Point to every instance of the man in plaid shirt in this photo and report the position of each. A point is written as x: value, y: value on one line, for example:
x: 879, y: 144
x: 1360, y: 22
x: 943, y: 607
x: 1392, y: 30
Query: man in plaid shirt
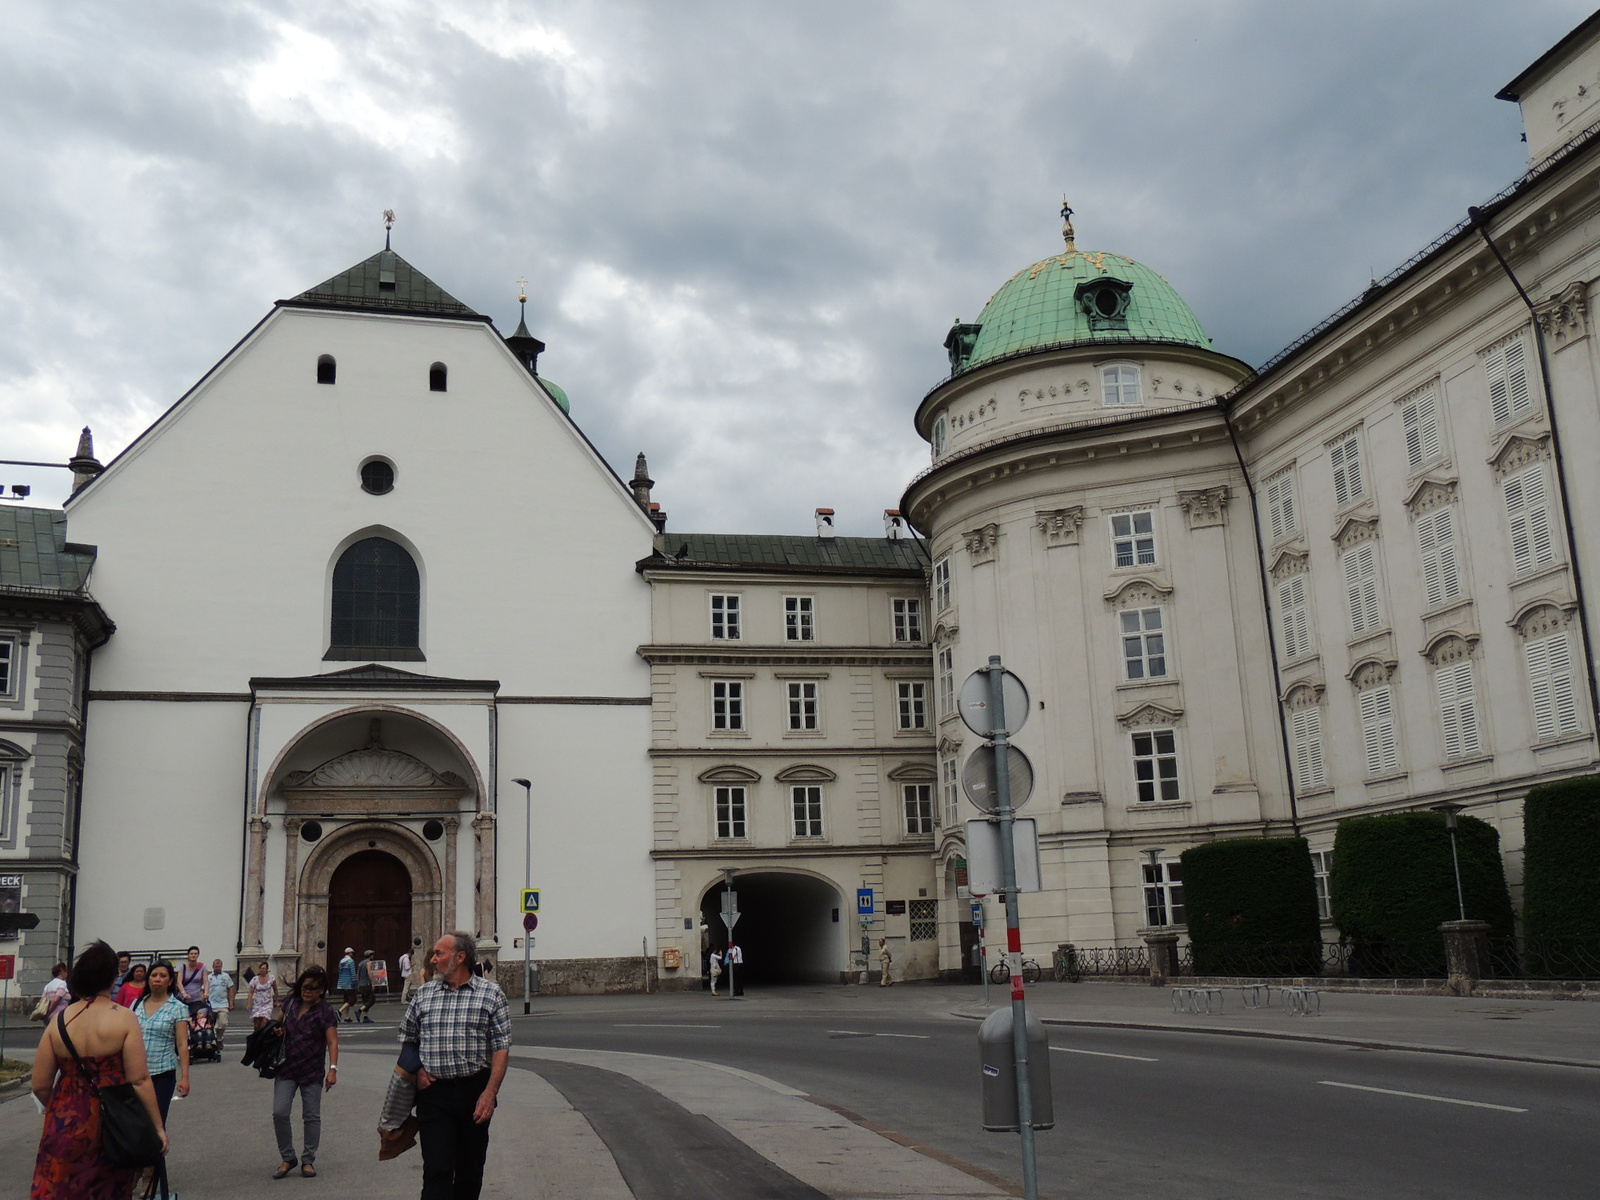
x: 461, y: 1026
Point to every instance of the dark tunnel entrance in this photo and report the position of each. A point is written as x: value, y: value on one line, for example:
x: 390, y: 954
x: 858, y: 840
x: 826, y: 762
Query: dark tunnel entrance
x: 791, y: 928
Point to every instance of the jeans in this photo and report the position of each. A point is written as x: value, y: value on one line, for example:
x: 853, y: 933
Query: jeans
x: 165, y: 1084
x: 283, y: 1091
x: 453, y: 1144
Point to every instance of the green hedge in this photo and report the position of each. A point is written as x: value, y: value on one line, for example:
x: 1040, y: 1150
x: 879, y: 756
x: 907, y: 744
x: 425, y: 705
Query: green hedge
x: 1252, y: 907
x: 1561, y: 872
x: 1392, y: 886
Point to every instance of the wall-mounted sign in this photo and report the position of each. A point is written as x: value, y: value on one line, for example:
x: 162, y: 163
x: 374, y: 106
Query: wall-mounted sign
x: 895, y: 908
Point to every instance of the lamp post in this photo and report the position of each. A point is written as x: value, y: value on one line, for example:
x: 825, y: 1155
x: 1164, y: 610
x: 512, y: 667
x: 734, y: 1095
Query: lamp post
x: 1153, y: 854
x: 1450, y: 812
x: 527, y: 882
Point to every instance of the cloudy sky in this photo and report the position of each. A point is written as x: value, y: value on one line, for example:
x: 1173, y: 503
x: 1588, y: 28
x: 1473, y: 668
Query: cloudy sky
x: 746, y: 226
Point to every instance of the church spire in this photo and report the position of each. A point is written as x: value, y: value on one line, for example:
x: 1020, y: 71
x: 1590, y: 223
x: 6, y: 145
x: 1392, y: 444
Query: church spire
x: 85, y: 466
x: 523, y: 344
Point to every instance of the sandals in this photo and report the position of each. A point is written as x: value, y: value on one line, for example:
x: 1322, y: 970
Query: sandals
x: 283, y: 1170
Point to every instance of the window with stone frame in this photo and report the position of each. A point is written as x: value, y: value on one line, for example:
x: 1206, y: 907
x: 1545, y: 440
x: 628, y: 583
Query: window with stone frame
x: 1144, y: 643
x: 1294, y: 617
x: 376, y: 603
x: 950, y: 790
x: 1532, y: 525
x: 941, y: 584
x: 1163, y: 894
x: 1506, y: 368
x: 1458, y: 705
x: 1155, y: 766
x: 727, y: 705
x: 9, y: 657
x: 911, y: 705
x: 1552, y: 683
x: 1344, y: 456
x: 1441, y: 561
x: 1305, y: 735
x: 1379, y: 736
x: 1360, y: 565
x: 907, y: 612
x: 1283, y: 514
x: 805, y: 714
x: 12, y: 758
x: 945, y: 664
x: 731, y: 804
x: 1321, y: 869
x: 725, y: 609
x: 799, y: 618
x: 1120, y: 387
x: 924, y: 916
x: 1133, y: 538
x: 805, y: 806
x: 917, y: 799
x: 1419, y: 417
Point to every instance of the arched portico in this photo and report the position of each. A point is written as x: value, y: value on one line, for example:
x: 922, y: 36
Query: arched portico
x: 792, y: 927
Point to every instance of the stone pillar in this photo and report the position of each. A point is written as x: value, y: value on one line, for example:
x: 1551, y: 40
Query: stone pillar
x: 291, y: 885
x: 255, y: 887
x: 485, y: 881
x: 1466, y: 954
x: 452, y: 828
x: 1163, y: 955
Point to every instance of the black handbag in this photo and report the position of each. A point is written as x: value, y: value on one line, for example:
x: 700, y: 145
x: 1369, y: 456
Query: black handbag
x: 128, y: 1137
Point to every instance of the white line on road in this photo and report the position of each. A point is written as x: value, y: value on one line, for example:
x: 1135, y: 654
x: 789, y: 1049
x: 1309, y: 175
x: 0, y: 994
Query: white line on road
x: 1105, y: 1054
x: 1420, y: 1096
x: 647, y: 1025
x: 921, y: 1037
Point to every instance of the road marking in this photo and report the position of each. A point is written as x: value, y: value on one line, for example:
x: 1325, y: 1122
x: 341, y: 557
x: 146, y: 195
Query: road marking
x: 1420, y: 1096
x: 1105, y: 1054
x: 921, y: 1037
x: 647, y: 1025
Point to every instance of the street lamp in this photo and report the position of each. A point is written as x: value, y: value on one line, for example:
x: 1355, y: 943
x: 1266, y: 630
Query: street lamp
x: 1450, y: 812
x: 1154, y: 853
x: 527, y: 882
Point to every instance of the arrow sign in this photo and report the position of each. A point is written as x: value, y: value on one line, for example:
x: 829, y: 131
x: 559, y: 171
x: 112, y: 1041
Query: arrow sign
x: 11, y: 922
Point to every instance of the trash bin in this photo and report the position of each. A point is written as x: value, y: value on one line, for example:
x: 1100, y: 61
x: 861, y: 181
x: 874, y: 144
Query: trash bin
x: 1000, y: 1074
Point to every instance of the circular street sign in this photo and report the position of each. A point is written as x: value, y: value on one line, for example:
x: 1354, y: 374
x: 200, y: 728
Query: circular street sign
x: 978, y: 778
x: 976, y: 710
x: 530, y: 921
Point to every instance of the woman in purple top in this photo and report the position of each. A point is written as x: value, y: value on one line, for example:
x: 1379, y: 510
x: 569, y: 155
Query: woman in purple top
x: 310, y: 1028
x: 193, y: 979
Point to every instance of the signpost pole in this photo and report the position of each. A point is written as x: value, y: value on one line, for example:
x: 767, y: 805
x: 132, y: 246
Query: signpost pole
x: 1008, y: 859
x: 5, y: 1004
x: 527, y: 882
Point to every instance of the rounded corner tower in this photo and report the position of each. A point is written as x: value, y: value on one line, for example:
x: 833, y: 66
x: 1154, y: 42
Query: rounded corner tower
x: 1088, y: 521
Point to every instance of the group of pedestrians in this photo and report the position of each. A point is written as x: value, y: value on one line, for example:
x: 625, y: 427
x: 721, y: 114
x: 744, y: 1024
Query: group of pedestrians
x: 455, y: 1040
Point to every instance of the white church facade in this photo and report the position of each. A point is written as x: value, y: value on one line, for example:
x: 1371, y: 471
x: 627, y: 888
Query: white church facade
x: 273, y: 685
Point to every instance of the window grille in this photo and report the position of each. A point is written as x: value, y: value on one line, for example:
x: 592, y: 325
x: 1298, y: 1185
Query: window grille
x: 924, y: 920
x: 1133, y: 538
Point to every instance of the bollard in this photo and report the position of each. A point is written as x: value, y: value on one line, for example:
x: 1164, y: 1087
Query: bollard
x: 1000, y: 1073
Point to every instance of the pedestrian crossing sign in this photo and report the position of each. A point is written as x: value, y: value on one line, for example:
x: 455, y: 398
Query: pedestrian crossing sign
x: 530, y: 900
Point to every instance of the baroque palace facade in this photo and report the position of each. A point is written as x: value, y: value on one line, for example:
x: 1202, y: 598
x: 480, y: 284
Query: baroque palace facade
x: 304, y: 629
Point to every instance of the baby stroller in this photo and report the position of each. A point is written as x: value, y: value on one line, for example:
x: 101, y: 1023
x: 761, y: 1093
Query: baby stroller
x: 204, y: 1044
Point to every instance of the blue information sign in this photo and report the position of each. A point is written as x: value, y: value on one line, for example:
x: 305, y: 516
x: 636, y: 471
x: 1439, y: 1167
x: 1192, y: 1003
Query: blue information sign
x: 864, y: 900
x: 977, y: 915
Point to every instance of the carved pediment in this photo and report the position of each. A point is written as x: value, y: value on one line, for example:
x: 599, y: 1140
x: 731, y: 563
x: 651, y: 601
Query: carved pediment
x: 1450, y: 646
x: 1371, y: 673
x: 1430, y: 491
x: 949, y: 745
x: 1354, y: 530
x: 1139, y: 589
x: 1290, y: 561
x: 729, y: 773
x: 1150, y: 713
x: 1205, y: 506
x: 1542, y: 617
x: 945, y: 629
x: 1060, y: 525
x: 1518, y: 450
x: 372, y: 769
x: 1303, y: 694
x: 805, y: 773
x: 913, y: 773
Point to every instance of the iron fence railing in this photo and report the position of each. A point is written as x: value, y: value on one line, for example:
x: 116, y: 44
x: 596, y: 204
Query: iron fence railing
x: 1102, y: 961
x: 1544, y: 958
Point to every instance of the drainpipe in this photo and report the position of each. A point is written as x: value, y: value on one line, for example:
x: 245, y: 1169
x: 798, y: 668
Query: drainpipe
x: 1481, y: 224
x: 1272, y: 635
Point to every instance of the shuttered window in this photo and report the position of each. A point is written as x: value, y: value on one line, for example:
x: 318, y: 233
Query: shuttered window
x: 1507, y: 369
x: 1345, y: 456
x: 1281, y: 505
x: 1555, y: 704
x: 1295, y: 613
x: 1361, y: 586
x: 1378, y: 732
x: 1420, y: 415
x: 1441, y: 571
x: 1458, y: 709
x: 1533, y: 542
x: 1305, y: 726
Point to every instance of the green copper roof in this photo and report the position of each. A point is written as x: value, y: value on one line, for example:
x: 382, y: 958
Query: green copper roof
x: 383, y: 283
x: 1048, y: 305
x: 35, y: 553
x: 557, y: 394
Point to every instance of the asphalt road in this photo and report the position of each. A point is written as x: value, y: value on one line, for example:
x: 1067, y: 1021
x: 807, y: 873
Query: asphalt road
x: 1169, y: 1115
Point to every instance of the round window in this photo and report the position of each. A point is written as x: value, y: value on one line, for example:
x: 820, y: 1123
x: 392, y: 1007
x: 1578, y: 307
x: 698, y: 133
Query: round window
x: 1108, y: 302
x: 311, y: 831
x: 433, y: 831
x: 377, y: 476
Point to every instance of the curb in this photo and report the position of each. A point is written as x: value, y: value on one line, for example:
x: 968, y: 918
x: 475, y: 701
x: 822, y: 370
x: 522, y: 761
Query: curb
x: 1321, y: 1039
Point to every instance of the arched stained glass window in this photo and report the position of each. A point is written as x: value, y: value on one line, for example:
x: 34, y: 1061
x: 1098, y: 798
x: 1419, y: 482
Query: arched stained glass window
x: 377, y: 603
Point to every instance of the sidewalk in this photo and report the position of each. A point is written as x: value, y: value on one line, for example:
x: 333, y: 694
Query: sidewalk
x: 1555, y: 1031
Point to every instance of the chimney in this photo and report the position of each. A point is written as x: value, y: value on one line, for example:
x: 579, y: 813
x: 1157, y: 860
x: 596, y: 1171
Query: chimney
x: 658, y: 517
x: 84, y: 464
x: 894, y: 525
x: 642, y: 483
x: 825, y: 523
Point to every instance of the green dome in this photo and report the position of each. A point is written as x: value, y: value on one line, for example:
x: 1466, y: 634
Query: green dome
x: 1076, y: 298
x: 556, y: 394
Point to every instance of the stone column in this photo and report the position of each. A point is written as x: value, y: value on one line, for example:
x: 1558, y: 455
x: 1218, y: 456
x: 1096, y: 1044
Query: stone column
x: 255, y: 887
x: 291, y: 885
x: 485, y: 881
x: 447, y: 910
x: 1466, y: 954
x: 1163, y: 955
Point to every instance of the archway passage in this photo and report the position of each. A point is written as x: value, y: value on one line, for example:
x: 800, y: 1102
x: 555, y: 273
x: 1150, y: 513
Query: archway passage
x: 792, y: 928
x: 369, y: 908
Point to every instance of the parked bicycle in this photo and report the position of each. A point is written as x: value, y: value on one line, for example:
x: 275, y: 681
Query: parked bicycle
x: 1001, y: 971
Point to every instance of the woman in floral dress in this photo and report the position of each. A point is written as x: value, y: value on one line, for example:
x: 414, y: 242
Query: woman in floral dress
x: 70, y: 1164
x: 263, y: 996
